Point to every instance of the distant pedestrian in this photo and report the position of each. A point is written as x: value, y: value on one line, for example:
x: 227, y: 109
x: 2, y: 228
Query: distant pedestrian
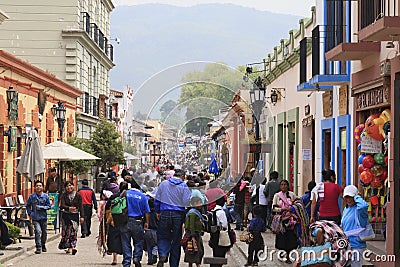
x: 194, y: 227
x: 52, y: 181
x: 72, y: 214
x: 172, y: 196
x: 240, y: 191
x: 258, y: 198
x: 270, y: 189
x: 36, y: 206
x: 138, y: 212
x: 256, y: 227
x: 89, y: 202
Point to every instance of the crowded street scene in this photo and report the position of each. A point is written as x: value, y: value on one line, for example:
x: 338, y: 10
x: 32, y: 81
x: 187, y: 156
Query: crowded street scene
x: 200, y: 133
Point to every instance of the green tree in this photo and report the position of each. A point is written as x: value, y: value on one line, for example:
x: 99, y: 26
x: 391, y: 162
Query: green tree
x: 166, y: 108
x: 106, y: 145
x: 79, y: 166
x: 205, y: 92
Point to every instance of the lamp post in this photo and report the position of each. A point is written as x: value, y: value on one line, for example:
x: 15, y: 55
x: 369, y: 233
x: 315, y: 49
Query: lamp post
x: 257, y: 98
x: 12, y: 101
x: 59, y: 113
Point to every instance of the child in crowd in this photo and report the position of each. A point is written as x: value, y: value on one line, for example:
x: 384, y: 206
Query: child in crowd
x: 150, y: 234
x: 257, y: 225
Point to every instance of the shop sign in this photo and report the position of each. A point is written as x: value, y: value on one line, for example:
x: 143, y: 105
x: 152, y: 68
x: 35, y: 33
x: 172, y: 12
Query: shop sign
x: 307, y: 154
x: 307, y: 122
x: 373, y: 98
x: 370, y: 145
x: 52, y: 213
x: 343, y: 95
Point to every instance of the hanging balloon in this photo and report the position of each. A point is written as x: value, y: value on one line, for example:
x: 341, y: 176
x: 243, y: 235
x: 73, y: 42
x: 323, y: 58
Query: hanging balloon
x: 379, y: 158
x: 360, y: 158
x: 376, y: 182
x: 361, y: 168
x: 384, y: 175
x: 357, y: 133
x: 386, y: 160
x: 366, y: 177
x: 377, y: 170
x: 368, y: 161
x: 359, y: 147
x: 363, y: 134
x: 372, y: 129
x: 386, y: 128
x: 384, y: 117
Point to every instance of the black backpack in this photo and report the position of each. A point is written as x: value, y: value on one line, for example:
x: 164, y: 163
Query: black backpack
x: 210, y: 221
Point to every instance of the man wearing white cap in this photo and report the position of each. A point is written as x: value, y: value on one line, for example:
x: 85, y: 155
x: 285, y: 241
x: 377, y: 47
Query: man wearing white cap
x: 354, y: 220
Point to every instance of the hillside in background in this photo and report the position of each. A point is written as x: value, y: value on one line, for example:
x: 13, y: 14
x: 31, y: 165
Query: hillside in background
x: 154, y: 37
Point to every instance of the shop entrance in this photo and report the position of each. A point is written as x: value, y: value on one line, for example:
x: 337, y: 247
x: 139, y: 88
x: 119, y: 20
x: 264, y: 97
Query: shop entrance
x: 327, y: 149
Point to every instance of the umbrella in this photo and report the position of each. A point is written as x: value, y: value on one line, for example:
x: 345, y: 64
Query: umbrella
x: 64, y: 152
x: 129, y: 156
x: 32, y: 162
x: 213, y: 168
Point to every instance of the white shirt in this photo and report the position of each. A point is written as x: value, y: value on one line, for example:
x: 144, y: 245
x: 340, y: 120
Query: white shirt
x: 221, y: 217
x: 262, y: 200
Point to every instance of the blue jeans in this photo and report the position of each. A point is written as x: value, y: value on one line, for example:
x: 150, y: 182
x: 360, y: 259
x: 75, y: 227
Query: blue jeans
x: 239, y: 209
x: 132, y: 230
x: 150, y: 235
x: 40, y: 233
x: 169, y: 235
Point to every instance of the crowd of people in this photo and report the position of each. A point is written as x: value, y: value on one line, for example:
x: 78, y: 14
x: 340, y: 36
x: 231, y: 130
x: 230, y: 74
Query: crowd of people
x: 162, y: 209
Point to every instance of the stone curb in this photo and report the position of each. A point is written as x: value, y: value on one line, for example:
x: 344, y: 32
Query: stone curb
x: 24, y: 249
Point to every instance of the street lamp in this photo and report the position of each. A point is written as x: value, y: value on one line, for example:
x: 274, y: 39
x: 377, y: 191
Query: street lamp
x: 59, y: 113
x: 257, y: 98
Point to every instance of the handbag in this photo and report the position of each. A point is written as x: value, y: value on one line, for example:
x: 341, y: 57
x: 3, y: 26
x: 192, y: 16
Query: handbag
x: 246, y: 237
x: 224, y: 239
x: 316, y: 256
x: 365, y: 234
x: 185, y: 239
x: 191, y: 246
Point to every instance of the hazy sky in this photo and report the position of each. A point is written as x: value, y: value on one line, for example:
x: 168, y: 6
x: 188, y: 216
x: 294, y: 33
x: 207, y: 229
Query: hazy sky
x: 294, y: 7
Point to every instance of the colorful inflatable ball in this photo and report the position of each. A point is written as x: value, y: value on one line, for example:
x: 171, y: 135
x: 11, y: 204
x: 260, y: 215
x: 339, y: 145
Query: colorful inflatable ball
x: 361, y: 168
x: 386, y: 160
x: 377, y: 170
x: 376, y: 182
x: 384, y: 175
x: 360, y: 158
x: 368, y: 161
x: 366, y: 177
x: 372, y: 129
x: 379, y: 158
x: 382, y: 120
x: 357, y: 133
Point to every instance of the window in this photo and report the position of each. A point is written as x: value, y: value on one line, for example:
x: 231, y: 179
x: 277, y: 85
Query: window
x: 303, y: 60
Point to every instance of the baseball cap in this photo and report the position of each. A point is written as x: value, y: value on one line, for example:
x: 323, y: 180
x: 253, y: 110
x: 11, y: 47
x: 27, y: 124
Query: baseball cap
x: 253, y: 169
x: 350, y: 191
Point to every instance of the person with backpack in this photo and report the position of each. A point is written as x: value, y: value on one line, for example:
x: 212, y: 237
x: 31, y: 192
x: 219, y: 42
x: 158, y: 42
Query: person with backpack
x: 194, y: 229
x: 221, y: 223
x: 138, y: 210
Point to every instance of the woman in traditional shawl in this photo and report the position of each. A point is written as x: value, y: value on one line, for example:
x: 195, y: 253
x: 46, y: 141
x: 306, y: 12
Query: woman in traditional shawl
x: 72, y: 215
x: 285, y: 240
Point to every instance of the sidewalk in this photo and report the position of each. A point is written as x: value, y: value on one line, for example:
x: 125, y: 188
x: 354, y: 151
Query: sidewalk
x: 27, y: 244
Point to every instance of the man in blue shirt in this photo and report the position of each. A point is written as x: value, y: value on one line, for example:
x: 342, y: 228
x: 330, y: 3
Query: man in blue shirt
x: 36, y: 206
x: 172, y: 196
x: 306, y: 198
x: 138, y: 209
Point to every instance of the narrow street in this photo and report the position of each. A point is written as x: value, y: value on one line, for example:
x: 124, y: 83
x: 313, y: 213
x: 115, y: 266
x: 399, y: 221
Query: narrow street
x: 88, y: 255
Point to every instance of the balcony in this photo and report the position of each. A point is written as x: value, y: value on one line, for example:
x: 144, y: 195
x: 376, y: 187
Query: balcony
x: 325, y: 38
x: 353, y: 51
x: 378, y: 20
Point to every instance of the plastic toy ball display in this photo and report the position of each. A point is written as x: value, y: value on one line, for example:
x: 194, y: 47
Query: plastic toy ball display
x: 377, y: 170
x: 360, y: 158
x: 366, y: 177
x: 361, y: 168
x: 379, y: 158
x: 384, y: 175
x: 368, y: 161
